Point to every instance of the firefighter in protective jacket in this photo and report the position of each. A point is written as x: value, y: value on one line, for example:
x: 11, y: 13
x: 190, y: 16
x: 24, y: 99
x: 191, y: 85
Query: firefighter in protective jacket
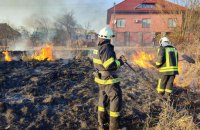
x: 167, y: 63
x: 110, y: 94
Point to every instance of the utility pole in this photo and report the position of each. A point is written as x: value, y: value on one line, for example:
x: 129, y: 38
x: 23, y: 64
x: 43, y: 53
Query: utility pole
x: 114, y: 17
x: 114, y: 21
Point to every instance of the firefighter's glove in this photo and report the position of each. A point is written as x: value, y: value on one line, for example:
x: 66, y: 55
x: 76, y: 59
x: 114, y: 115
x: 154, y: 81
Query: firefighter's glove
x: 122, y: 60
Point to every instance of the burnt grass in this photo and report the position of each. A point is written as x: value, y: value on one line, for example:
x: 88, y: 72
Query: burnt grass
x: 61, y: 95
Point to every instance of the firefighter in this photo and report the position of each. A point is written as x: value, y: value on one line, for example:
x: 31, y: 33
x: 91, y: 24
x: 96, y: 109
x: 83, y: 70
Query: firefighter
x: 110, y: 94
x: 167, y: 64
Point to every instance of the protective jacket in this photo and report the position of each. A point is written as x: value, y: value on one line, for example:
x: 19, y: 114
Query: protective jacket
x: 105, y: 63
x: 110, y: 95
x: 167, y: 60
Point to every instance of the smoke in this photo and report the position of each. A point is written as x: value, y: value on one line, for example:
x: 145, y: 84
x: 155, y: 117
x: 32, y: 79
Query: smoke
x: 92, y: 12
x: 63, y: 54
x: 85, y: 11
x: 20, y: 45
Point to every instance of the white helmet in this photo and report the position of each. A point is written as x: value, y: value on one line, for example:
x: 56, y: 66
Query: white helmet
x: 106, y: 33
x: 164, y: 39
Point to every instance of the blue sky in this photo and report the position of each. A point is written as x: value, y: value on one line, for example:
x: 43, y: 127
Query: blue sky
x: 18, y: 12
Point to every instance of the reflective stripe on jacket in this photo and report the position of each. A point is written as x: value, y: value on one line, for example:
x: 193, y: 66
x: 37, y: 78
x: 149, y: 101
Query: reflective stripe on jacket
x: 167, y: 60
x: 104, y: 59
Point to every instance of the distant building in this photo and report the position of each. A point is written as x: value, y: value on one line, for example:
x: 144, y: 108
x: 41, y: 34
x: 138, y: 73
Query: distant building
x: 139, y: 21
x: 7, y: 34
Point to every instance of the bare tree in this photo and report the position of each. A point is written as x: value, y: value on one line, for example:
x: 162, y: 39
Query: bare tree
x: 60, y: 36
x: 25, y: 34
x: 68, y: 23
x: 43, y: 26
x: 65, y: 27
x: 87, y: 27
x: 40, y: 26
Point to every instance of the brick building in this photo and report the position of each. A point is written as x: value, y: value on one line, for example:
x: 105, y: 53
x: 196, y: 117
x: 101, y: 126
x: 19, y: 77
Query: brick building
x: 139, y: 21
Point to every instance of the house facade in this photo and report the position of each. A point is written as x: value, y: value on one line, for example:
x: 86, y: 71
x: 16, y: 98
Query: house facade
x: 7, y: 35
x: 140, y: 21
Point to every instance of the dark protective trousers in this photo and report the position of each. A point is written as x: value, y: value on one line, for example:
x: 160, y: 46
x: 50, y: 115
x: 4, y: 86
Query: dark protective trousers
x: 109, y: 95
x: 165, y: 84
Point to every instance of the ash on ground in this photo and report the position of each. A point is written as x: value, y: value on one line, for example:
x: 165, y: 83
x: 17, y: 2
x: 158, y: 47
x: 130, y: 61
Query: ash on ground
x: 61, y: 95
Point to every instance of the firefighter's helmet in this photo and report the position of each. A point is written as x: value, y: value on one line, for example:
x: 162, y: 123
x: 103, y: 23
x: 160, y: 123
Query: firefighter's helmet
x: 106, y: 33
x: 164, y: 39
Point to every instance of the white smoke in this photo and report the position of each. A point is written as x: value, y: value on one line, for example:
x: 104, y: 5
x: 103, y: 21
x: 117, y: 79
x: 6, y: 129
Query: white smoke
x: 20, y: 45
x: 85, y: 11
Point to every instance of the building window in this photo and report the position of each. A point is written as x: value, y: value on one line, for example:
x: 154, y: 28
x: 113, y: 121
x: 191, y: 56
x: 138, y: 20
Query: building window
x: 146, y: 23
x: 172, y: 23
x: 146, y: 5
x: 120, y: 23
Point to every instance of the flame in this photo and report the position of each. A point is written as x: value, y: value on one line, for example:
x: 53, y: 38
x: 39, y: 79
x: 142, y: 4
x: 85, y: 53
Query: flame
x: 44, y: 53
x: 143, y: 59
x: 177, y: 79
x: 7, y: 56
x: 184, y: 79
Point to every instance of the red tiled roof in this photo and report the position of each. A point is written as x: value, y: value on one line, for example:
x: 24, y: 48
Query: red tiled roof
x: 131, y: 6
x: 149, y: 1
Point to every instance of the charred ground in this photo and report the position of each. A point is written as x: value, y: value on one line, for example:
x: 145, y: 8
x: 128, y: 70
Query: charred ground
x: 62, y: 95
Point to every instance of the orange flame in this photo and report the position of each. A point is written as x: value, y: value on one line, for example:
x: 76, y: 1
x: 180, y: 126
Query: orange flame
x: 143, y: 59
x: 7, y: 56
x: 44, y: 53
x: 178, y: 80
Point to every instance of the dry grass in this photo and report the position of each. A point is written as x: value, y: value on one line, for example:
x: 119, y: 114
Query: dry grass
x: 187, y: 40
x: 9, y: 115
x: 190, y: 73
x: 48, y: 99
x: 24, y: 110
x: 172, y: 119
